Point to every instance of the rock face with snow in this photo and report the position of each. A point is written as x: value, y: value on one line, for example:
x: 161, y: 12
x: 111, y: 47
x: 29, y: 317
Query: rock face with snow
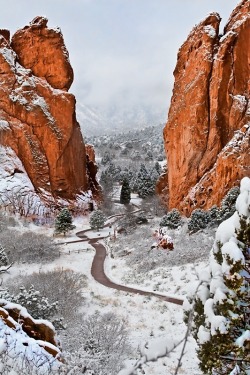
x: 13, y: 314
x: 37, y: 113
x: 207, y: 133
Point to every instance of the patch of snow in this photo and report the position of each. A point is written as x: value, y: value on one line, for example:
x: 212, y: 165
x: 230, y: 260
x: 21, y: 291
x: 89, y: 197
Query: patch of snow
x: 210, y: 31
x: 22, y: 354
x: 218, y: 322
x: 4, y: 125
x: 227, y: 35
x: 40, y: 102
x: 231, y: 250
x: 239, y: 102
x: 203, y: 335
x: 9, y: 55
x: 244, y: 337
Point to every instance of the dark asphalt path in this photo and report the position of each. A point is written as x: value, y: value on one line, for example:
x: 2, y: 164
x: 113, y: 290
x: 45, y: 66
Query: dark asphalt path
x: 97, y: 271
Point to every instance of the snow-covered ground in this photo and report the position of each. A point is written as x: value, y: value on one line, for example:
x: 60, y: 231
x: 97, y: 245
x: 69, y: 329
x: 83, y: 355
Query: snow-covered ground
x: 148, y: 319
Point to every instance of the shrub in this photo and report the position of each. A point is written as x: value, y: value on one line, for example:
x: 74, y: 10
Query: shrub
x: 172, y: 219
x: 28, y: 247
x: 228, y: 203
x: 199, y: 220
x: 36, y: 304
x: 61, y: 285
x: 103, y: 348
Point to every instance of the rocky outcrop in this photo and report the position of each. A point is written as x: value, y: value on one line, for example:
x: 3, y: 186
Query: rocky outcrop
x: 13, y: 315
x: 42, y: 50
x: 207, y: 133
x: 37, y: 114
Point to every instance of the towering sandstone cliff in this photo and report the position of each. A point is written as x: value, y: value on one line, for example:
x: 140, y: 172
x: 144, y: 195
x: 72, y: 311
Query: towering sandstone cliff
x: 207, y: 136
x: 37, y: 113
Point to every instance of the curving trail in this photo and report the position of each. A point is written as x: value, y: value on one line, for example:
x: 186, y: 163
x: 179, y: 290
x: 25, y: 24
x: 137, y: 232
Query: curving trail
x: 97, y: 271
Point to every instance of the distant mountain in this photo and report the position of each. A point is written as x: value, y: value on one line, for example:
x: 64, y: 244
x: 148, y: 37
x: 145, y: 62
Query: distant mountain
x: 114, y: 119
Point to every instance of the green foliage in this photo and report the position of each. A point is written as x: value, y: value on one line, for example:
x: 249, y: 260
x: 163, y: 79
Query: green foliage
x: 125, y: 195
x: 63, y: 222
x: 172, y: 219
x: 97, y: 220
x: 145, y: 185
x: 227, y: 208
x: 199, y: 220
x: 228, y: 203
x: 4, y: 261
x: 218, y: 351
x: 218, y: 254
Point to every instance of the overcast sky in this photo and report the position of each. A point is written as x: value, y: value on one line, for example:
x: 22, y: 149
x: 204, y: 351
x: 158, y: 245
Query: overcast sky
x: 122, y: 51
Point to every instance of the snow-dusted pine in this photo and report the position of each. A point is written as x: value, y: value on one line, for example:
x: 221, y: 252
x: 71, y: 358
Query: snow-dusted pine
x: 221, y: 301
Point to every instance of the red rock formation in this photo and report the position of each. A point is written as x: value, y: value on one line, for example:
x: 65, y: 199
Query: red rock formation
x: 38, y: 113
x: 43, y: 51
x: 210, y: 103
x: 13, y: 315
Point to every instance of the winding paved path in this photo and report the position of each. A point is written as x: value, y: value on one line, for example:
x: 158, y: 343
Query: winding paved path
x: 97, y: 271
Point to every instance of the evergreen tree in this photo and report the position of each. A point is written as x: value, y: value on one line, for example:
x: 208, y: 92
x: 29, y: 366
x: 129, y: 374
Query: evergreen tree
x: 63, y: 222
x: 221, y: 305
x: 157, y: 167
x: 97, y: 220
x: 144, y: 183
x: 172, y: 219
x: 4, y: 261
x: 125, y: 195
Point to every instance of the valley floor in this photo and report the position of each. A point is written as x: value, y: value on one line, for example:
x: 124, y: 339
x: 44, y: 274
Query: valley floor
x: 149, y: 320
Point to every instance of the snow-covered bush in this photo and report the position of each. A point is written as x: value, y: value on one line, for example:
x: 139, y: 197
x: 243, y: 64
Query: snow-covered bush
x: 62, y: 285
x: 103, y: 348
x: 4, y: 261
x: 97, y: 220
x: 221, y: 302
x: 172, y: 219
x: 228, y: 203
x: 199, y: 220
x: 36, y: 304
x: 227, y: 208
x: 28, y: 247
x: 215, y: 216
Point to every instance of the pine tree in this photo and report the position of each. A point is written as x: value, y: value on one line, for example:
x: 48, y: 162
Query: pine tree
x: 4, y: 261
x: 145, y: 184
x: 221, y: 306
x: 63, y: 222
x: 125, y: 195
x: 97, y: 220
